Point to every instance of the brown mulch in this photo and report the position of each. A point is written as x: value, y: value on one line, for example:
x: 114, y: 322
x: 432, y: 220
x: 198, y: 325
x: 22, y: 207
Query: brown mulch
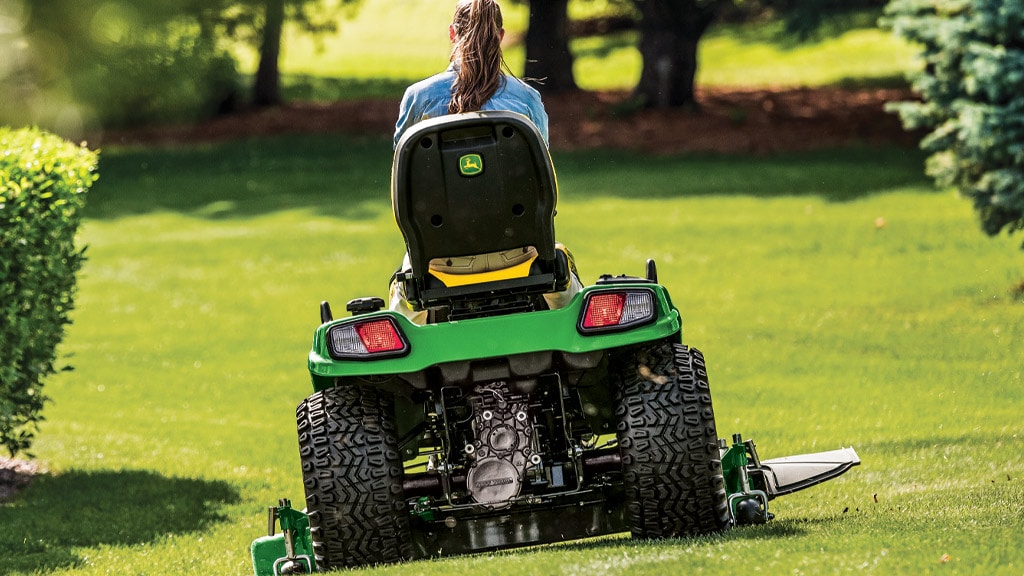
x: 735, y: 121
x: 757, y: 121
x: 14, y: 475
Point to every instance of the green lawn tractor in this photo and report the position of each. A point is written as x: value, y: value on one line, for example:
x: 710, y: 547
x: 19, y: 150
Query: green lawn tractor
x: 503, y: 420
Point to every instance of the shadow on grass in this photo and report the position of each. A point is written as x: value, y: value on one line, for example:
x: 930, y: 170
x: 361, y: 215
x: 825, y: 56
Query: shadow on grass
x: 44, y: 525
x: 894, y: 81
x: 806, y: 30
x: 834, y: 175
x: 340, y: 176
x: 349, y: 177
x: 931, y: 445
x: 603, y: 46
x: 304, y: 87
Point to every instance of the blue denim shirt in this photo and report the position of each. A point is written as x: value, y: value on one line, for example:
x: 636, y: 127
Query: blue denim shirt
x: 430, y: 98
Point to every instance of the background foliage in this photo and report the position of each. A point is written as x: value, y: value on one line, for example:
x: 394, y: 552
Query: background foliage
x: 78, y: 66
x: 43, y: 183
x: 972, y: 83
x: 84, y: 63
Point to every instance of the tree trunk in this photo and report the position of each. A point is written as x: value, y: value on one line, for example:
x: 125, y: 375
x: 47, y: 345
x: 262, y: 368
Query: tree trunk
x: 548, y: 59
x: 670, y: 32
x: 266, y: 89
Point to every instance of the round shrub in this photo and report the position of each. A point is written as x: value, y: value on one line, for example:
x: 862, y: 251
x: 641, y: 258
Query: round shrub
x: 43, y: 185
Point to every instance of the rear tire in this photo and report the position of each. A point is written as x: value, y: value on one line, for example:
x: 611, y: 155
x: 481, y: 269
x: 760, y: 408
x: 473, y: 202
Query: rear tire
x: 352, y: 472
x: 669, y: 446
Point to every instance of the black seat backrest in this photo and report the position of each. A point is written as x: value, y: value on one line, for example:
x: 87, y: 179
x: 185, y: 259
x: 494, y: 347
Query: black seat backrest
x: 475, y: 183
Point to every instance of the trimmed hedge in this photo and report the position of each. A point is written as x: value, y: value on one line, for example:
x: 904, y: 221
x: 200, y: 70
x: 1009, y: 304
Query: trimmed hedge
x: 972, y: 86
x: 43, y: 185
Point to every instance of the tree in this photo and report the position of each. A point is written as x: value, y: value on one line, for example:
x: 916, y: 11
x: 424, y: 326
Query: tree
x: 670, y: 31
x: 269, y: 17
x: 548, y: 58
x: 972, y: 86
x: 266, y: 89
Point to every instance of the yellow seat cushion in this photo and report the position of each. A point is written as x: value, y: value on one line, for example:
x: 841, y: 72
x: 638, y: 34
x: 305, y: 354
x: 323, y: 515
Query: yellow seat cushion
x: 466, y: 270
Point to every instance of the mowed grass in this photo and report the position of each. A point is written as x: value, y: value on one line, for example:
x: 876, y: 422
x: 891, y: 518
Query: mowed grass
x: 381, y: 48
x: 839, y: 300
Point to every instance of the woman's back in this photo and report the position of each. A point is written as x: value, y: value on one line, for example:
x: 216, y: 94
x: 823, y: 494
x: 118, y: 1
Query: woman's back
x: 477, y: 79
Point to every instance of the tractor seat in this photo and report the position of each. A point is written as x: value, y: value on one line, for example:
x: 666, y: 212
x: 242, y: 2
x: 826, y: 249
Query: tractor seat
x: 474, y: 196
x: 463, y: 270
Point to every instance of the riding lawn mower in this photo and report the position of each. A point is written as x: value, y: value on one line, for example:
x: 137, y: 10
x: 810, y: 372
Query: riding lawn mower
x: 501, y: 421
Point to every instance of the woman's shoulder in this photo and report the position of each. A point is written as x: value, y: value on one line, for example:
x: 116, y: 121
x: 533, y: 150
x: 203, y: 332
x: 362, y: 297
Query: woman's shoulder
x: 441, y: 80
x: 517, y: 86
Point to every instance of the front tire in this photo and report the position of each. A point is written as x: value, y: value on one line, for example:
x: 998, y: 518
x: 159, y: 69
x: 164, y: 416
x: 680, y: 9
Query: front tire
x: 669, y: 446
x: 352, y: 472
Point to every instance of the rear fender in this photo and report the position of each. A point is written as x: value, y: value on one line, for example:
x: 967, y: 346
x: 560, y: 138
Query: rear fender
x: 496, y: 337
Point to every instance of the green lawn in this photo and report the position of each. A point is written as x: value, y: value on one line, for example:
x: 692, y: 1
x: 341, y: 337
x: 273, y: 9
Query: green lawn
x: 386, y: 44
x: 206, y: 266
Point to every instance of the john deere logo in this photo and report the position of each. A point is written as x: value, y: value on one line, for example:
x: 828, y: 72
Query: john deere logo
x: 471, y: 164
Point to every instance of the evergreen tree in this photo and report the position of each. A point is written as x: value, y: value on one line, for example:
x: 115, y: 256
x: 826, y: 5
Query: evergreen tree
x: 972, y: 87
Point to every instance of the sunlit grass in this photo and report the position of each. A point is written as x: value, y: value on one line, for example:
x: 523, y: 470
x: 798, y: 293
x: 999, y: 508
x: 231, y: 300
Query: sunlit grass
x: 857, y: 56
x: 822, y: 324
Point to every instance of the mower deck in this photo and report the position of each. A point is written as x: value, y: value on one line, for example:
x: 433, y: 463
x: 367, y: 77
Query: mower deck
x: 752, y: 483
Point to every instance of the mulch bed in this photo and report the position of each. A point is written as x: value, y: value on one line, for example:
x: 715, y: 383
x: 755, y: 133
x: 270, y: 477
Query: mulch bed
x: 14, y: 475
x: 761, y: 121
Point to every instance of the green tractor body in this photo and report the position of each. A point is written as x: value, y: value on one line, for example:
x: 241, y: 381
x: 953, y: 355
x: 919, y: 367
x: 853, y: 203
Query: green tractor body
x: 479, y: 339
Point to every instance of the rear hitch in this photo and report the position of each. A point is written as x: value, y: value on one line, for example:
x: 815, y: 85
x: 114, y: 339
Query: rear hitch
x: 752, y: 482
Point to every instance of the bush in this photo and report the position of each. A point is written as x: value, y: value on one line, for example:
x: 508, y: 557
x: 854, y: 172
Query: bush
x: 43, y: 184
x: 972, y: 86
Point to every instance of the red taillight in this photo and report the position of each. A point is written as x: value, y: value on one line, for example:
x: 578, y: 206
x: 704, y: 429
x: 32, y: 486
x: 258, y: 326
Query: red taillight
x: 380, y: 336
x: 369, y: 339
x: 617, y: 310
x: 604, y: 310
